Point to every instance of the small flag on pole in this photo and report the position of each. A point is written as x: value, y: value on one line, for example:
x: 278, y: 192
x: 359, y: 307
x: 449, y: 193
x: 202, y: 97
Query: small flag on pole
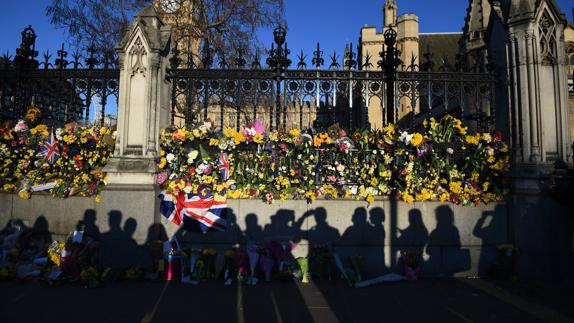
x: 223, y: 165
x: 49, y: 149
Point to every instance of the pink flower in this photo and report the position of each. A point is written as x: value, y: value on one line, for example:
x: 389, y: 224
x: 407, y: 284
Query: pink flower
x: 259, y: 127
x: 21, y: 126
x: 344, y: 146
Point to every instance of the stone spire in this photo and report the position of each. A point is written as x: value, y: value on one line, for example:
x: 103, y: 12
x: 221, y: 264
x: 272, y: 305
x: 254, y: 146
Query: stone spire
x: 390, y: 10
x: 476, y: 23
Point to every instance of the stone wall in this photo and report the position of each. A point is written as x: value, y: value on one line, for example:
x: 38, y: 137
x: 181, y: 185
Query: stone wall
x: 571, y: 106
x: 454, y: 240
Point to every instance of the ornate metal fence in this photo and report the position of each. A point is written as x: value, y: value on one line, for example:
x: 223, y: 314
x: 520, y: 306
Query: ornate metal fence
x: 233, y: 95
x: 63, y: 89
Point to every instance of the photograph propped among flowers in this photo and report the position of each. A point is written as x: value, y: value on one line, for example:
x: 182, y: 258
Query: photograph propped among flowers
x: 443, y: 162
x: 65, y: 161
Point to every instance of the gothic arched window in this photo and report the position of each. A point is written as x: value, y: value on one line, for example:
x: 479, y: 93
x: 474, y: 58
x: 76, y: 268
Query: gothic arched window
x: 547, y: 36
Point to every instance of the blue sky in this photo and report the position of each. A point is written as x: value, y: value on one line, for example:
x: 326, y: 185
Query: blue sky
x: 332, y: 22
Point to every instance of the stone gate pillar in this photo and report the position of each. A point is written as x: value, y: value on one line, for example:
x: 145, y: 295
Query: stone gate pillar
x: 143, y: 105
x: 539, y: 118
x: 539, y: 90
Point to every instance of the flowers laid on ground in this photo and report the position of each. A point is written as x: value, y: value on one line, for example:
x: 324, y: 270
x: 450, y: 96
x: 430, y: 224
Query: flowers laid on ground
x: 67, y: 161
x: 443, y: 161
x: 32, y: 254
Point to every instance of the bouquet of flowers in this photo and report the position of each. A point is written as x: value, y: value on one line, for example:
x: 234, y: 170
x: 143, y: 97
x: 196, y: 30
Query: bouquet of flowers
x: 65, y: 161
x: 442, y: 162
x: 266, y: 262
x: 228, y: 266
x: 281, y: 251
x: 241, y: 263
x: 357, y: 263
x: 411, y: 264
x: 89, y: 276
x: 253, y: 253
x: 321, y: 261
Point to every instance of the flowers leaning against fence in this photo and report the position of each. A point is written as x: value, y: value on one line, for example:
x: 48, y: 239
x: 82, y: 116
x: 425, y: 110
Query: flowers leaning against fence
x: 66, y: 162
x: 441, y: 162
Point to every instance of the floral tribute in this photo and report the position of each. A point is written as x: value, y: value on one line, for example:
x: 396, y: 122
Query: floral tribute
x: 442, y: 162
x: 66, y: 161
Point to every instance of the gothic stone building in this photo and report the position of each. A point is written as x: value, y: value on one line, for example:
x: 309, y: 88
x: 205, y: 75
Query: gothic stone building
x: 529, y: 44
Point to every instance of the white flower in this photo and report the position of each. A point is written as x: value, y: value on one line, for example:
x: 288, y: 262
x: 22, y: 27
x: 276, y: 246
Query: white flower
x: 192, y: 156
x: 341, y: 168
x: 170, y: 157
x: 205, y: 127
x: 251, y: 131
x: 223, y: 145
x: 450, y: 151
x: 490, y: 151
x: 299, y: 156
x: 187, y: 189
x: 405, y: 137
x: 58, y: 133
x: 354, y: 190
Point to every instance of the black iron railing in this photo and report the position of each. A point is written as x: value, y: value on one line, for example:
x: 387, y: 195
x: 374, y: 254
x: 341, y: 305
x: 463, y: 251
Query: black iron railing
x: 64, y: 89
x: 233, y: 95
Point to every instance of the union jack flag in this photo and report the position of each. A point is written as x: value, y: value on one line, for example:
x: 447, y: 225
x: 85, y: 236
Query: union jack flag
x: 49, y: 149
x: 197, y: 214
x: 223, y: 165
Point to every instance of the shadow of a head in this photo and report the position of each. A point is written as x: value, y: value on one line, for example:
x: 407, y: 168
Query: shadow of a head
x: 377, y: 216
x: 89, y: 217
x: 320, y: 215
x: 415, y: 217
x: 251, y: 220
x: 156, y: 232
x: 130, y: 226
x: 40, y: 225
x: 444, y: 216
x: 114, y: 220
x: 360, y: 216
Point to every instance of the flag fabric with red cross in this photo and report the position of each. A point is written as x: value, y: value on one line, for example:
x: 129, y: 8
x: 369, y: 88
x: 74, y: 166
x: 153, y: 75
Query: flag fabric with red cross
x: 197, y: 214
x: 223, y: 165
x: 49, y: 149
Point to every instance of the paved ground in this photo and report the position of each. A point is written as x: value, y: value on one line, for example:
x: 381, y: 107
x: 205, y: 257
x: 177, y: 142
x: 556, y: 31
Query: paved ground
x: 452, y: 300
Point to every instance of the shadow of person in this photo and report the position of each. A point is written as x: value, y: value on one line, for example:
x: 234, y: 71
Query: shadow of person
x: 156, y: 236
x: 354, y: 234
x: 375, y: 237
x: 36, y: 239
x: 132, y: 250
x: 354, y: 244
x: 114, y: 242
x: 88, y: 223
x: 489, y: 239
x: 253, y: 231
x: 281, y: 302
x: 444, y: 247
x: 414, y: 237
x: 191, y: 232
x: 281, y: 227
x: 321, y: 234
